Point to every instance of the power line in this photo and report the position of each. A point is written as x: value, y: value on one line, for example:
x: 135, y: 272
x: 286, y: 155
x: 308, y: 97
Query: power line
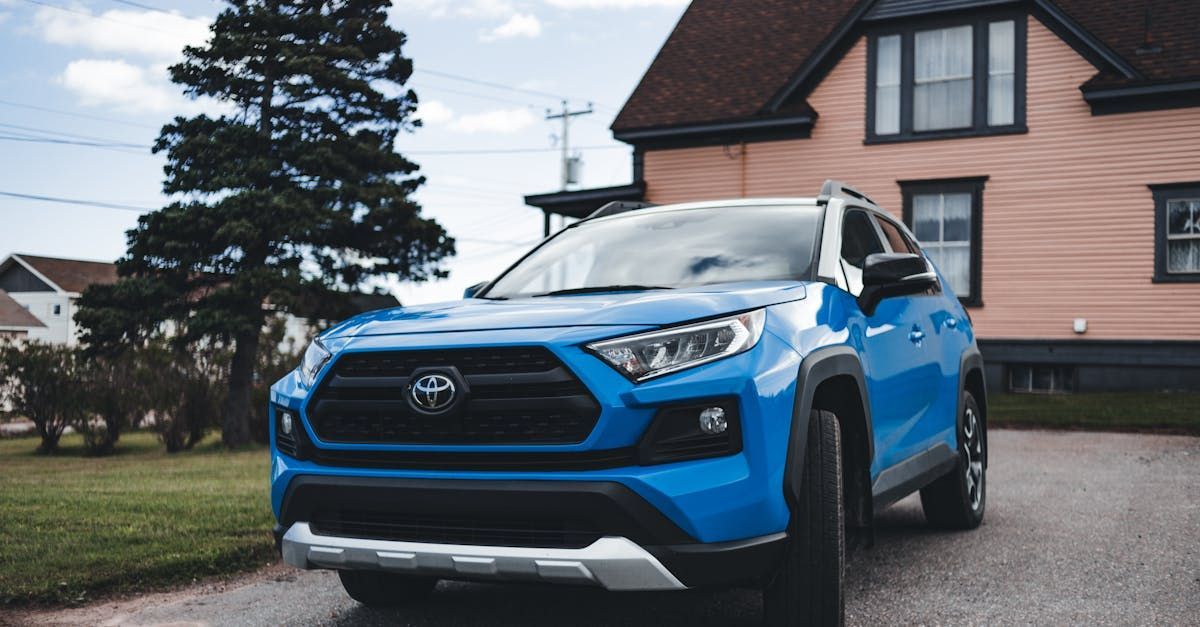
x: 104, y: 140
x: 69, y: 142
x: 145, y: 6
x: 75, y: 115
x: 493, y: 85
x: 469, y: 94
x: 79, y: 202
x: 97, y: 17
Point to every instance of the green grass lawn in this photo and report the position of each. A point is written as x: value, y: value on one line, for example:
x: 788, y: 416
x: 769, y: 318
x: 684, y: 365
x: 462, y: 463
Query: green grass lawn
x: 1162, y: 412
x: 73, y: 527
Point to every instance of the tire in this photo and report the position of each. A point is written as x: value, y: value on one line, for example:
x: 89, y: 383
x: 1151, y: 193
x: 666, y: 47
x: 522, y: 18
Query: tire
x: 376, y: 589
x: 958, y: 499
x: 806, y: 587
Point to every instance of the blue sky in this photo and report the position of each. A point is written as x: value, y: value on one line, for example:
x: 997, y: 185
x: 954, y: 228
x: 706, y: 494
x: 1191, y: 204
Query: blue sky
x: 100, y: 65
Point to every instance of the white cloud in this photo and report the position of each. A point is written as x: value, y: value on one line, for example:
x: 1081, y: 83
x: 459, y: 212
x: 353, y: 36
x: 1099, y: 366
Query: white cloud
x: 519, y: 25
x: 148, y: 33
x: 476, y: 9
x: 434, y: 113
x: 503, y: 121
x: 614, y: 4
x: 123, y: 86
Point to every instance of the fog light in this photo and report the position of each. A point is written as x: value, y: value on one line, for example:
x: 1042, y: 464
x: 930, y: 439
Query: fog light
x: 285, y: 423
x: 712, y: 421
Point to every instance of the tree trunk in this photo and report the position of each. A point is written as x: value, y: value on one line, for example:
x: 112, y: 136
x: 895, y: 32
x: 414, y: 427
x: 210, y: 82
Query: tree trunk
x: 236, y: 429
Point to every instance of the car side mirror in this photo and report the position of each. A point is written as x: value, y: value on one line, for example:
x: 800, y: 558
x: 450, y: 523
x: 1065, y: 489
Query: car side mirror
x: 894, y: 274
x: 470, y: 292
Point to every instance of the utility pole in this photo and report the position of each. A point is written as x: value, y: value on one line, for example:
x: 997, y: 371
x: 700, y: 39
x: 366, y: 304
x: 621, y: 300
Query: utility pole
x: 565, y: 115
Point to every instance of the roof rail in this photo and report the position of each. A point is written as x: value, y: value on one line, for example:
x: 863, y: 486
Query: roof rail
x: 838, y: 189
x: 618, y: 206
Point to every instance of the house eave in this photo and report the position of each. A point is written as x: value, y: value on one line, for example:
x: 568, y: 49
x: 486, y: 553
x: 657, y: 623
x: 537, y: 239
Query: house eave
x: 580, y: 203
x: 718, y: 133
x: 1113, y: 100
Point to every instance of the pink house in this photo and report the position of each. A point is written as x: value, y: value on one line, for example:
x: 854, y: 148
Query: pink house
x: 1045, y: 152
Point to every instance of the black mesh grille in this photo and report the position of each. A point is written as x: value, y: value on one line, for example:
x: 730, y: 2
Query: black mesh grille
x: 385, y: 526
x: 522, y: 395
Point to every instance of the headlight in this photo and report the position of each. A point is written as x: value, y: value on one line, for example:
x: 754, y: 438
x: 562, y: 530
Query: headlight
x: 314, y: 359
x: 648, y: 355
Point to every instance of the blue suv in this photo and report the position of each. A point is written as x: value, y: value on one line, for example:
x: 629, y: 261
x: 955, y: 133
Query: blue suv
x: 655, y: 398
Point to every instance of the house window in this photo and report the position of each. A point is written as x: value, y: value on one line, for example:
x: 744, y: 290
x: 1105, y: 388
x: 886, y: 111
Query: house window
x: 947, y: 80
x: 1177, y: 249
x: 1043, y: 378
x: 58, y: 310
x: 945, y: 217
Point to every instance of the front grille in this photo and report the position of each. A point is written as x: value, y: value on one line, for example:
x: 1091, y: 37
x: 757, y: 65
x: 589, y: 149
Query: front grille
x: 438, y: 530
x: 521, y: 395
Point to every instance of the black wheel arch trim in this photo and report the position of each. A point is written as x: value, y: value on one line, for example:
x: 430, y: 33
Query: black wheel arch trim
x: 817, y: 367
x: 972, y: 361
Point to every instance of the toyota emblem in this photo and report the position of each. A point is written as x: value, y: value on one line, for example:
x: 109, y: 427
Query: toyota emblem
x: 433, y: 392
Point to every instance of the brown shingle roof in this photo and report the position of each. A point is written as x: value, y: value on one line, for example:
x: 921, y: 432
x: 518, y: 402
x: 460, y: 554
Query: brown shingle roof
x: 727, y: 58
x: 1174, y: 31
x: 70, y: 274
x: 13, y: 314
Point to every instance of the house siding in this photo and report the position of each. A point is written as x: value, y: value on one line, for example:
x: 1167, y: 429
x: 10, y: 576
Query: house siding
x: 1068, y: 219
x: 59, y: 329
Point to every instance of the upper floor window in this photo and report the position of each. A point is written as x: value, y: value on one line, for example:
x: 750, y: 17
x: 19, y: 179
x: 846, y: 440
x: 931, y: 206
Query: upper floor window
x: 947, y: 80
x: 1177, y: 246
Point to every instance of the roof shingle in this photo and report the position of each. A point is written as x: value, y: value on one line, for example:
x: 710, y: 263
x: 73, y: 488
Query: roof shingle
x: 13, y: 314
x: 70, y: 274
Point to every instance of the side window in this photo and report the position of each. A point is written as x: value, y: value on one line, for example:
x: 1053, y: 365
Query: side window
x: 859, y: 239
x: 896, y: 239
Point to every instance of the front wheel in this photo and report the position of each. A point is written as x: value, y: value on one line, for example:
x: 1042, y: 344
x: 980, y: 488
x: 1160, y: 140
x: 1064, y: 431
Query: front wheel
x: 806, y: 587
x: 957, y: 500
x: 377, y: 589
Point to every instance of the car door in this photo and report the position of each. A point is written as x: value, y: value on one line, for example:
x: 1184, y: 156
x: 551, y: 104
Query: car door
x: 937, y: 317
x: 899, y: 368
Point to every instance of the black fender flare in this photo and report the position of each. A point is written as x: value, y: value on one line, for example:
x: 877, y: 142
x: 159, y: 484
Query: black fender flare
x: 816, y: 368
x: 970, y: 361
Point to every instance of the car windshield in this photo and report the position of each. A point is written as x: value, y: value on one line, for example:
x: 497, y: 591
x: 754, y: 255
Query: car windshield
x: 669, y: 249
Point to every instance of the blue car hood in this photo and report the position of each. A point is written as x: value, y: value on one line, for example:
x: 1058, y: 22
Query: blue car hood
x: 653, y: 308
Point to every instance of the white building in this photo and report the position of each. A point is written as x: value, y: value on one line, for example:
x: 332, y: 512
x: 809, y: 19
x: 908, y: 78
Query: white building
x: 48, y: 288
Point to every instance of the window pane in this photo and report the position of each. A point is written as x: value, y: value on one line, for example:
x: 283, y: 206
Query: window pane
x: 927, y: 218
x: 1183, y: 217
x: 1001, y: 63
x: 1001, y: 52
x: 1183, y: 256
x: 898, y: 242
x: 957, y: 218
x: 954, y: 260
x: 941, y: 105
x: 942, y: 87
x: 887, y: 85
x: 1000, y: 99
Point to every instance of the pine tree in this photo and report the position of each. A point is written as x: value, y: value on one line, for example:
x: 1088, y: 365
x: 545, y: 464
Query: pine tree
x: 295, y: 191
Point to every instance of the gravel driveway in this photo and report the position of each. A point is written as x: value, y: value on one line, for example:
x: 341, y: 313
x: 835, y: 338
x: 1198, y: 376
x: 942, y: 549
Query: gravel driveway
x: 1081, y: 528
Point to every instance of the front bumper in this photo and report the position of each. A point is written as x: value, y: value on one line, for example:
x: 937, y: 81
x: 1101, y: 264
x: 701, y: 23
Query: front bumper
x: 611, y: 562
x: 624, y: 543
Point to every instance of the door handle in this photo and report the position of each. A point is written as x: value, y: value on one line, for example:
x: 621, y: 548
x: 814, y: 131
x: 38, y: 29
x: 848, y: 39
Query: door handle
x: 916, y: 335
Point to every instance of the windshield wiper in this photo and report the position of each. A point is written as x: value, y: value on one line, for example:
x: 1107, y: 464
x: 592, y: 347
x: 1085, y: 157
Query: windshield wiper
x: 602, y: 288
